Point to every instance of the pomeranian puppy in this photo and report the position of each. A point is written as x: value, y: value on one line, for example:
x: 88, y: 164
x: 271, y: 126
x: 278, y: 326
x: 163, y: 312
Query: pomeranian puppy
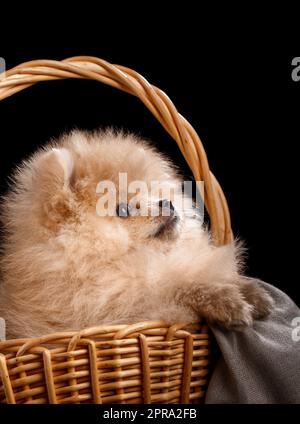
x: 66, y: 266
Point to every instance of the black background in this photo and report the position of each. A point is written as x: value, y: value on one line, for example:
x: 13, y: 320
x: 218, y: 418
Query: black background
x: 231, y: 78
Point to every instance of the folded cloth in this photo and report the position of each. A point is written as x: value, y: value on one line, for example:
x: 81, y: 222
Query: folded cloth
x: 260, y: 364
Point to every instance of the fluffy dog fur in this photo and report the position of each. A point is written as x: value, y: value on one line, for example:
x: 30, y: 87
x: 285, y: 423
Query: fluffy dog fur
x: 65, y: 268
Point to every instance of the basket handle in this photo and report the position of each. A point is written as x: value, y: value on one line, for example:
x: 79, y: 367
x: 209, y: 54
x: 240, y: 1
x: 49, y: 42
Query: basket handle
x: 159, y: 104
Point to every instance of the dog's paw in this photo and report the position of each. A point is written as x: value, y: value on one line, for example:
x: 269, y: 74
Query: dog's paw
x: 257, y: 296
x: 223, y: 304
x: 229, y: 309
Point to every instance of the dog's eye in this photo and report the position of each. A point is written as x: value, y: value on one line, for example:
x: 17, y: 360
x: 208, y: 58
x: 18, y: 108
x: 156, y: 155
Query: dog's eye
x: 123, y: 210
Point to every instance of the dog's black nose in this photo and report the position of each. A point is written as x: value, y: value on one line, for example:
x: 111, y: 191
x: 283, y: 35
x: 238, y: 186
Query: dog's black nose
x: 166, y: 205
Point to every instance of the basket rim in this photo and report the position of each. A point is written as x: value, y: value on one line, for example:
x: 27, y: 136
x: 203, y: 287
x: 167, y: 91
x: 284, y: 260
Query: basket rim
x: 121, y: 331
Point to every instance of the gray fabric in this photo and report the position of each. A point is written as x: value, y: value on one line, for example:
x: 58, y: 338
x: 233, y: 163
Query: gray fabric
x: 260, y: 364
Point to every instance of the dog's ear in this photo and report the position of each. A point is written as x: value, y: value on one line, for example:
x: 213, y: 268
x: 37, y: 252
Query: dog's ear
x: 64, y: 158
x: 52, y: 180
x: 53, y: 170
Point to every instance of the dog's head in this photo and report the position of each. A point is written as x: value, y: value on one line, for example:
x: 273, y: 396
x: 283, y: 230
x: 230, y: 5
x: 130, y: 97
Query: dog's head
x: 110, y: 192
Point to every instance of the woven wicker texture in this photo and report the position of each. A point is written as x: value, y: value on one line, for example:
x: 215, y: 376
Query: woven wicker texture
x: 142, y: 363
x: 148, y: 362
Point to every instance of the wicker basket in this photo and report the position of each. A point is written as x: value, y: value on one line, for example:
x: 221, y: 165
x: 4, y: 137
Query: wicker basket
x: 148, y: 362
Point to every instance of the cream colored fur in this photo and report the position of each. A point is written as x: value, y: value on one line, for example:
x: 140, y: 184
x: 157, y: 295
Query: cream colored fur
x: 64, y: 268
